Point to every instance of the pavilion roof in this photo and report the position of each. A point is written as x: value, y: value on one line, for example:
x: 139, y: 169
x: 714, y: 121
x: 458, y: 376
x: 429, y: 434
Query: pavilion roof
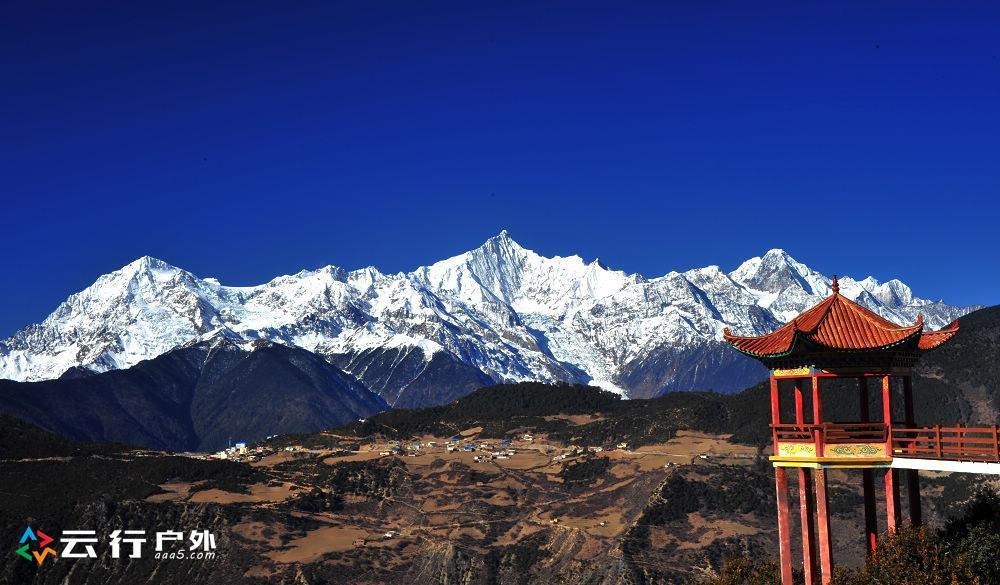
x: 839, y: 324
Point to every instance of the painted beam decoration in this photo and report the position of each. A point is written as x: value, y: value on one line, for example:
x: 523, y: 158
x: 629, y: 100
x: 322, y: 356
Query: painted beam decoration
x: 793, y: 372
x: 838, y: 451
x: 855, y: 450
x: 798, y: 450
x: 841, y: 451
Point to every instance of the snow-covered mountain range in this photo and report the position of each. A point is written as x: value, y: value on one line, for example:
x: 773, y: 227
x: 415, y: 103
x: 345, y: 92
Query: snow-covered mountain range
x: 497, y: 313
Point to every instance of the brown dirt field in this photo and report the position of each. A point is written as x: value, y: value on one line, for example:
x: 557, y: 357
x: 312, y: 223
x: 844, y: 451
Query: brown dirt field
x: 590, y: 549
x: 317, y: 543
x: 660, y: 538
x: 592, y: 525
x: 443, y: 518
x: 258, y: 493
x: 259, y: 572
x: 422, y: 460
x: 176, y: 492
x: 575, y: 419
x: 711, y: 530
x: 255, y: 531
x: 501, y: 499
x: 215, y: 496
x: 466, y: 531
x: 275, y: 459
x: 470, y: 432
x: 605, y: 489
x: 507, y: 482
x: 432, y: 505
x: 517, y: 532
x: 615, y: 523
x: 650, y: 461
x: 686, y: 447
x: 266, y: 493
x: 361, y: 456
x: 524, y: 460
x: 622, y: 470
x: 695, y: 443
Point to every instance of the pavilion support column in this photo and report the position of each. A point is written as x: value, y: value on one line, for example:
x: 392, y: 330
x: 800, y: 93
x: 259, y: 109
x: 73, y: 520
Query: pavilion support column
x: 807, y: 518
x: 784, y: 530
x: 912, y: 479
x: 806, y: 503
x: 892, y: 511
x: 868, y: 478
x: 817, y: 415
x: 823, y: 528
x: 800, y: 414
x: 775, y: 411
x: 823, y: 536
x: 781, y: 492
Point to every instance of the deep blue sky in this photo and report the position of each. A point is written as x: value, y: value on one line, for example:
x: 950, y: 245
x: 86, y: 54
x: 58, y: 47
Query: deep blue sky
x: 243, y: 141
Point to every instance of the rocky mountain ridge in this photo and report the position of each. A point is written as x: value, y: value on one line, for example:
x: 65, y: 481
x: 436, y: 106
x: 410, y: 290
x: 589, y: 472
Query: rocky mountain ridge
x: 499, y: 313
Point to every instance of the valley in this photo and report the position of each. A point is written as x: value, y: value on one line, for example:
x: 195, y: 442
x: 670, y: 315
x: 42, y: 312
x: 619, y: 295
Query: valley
x: 518, y: 484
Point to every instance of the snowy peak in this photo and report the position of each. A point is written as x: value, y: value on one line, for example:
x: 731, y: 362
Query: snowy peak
x: 146, y: 263
x: 144, y: 271
x: 892, y: 293
x: 491, y: 272
x: 365, y: 279
x: 500, y: 309
x: 501, y: 245
x: 775, y: 272
x: 503, y: 271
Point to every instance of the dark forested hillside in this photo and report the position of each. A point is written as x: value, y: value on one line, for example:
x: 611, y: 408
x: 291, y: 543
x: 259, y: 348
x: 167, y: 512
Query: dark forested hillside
x: 23, y: 440
x: 506, y: 408
x: 966, y: 370
x: 197, y: 397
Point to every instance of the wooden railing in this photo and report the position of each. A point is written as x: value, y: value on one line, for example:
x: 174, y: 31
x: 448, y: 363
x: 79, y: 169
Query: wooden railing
x: 958, y: 443
x: 854, y: 433
x: 830, y: 433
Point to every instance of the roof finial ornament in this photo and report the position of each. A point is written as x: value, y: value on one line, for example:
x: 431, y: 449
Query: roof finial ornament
x: 835, y: 285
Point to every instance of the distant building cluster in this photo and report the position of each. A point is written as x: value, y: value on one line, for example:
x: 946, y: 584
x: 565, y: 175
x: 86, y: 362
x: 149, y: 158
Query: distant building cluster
x: 486, y: 451
x: 240, y: 452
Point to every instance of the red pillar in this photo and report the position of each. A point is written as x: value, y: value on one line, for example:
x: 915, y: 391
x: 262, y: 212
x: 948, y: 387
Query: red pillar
x: 912, y: 479
x: 784, y: 536
x: 800, y: 414
x: 892, y: 510
x: 775, y: 411
x: 806, y: 506
x: 781, y: 490
x: 817, y: 414
x: 822, y: 511
x: 823, y: 528
x: 806, y: 509
x: 868, y: 478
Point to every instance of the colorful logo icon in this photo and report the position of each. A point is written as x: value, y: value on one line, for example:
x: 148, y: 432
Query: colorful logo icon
x: 41, y: 541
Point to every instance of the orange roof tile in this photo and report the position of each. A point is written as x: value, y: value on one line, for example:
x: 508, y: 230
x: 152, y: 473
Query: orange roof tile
x: 838, y: 323
x: 932, y: 339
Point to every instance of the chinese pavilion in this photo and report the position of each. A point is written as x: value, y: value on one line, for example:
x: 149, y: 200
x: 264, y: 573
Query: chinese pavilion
x: 840, y: 339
